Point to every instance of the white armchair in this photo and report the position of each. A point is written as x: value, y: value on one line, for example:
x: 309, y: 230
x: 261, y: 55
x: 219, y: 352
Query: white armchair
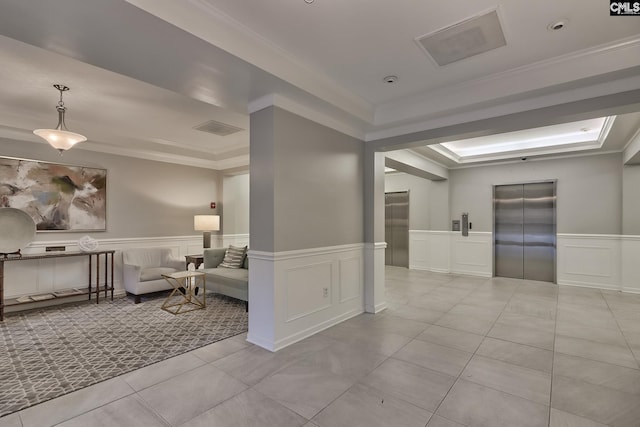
x: 143, y: 269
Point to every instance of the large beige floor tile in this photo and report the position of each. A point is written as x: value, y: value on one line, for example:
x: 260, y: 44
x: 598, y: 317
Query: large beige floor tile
x: 438, y: 421
x: 434, y: 356
x: 73, y: 404
x: 161, y: 371
x: 448, y: 337
x: 534, y: 307
x: 565, y: 419
x: 220, y: 349
x: 252, y: 364
x: 523, y: 382
x: 517, y: 354
x: 398, y: 325
x: 415, y: 313
x: 184, y: 397
x: 602, y: 404
x: 616, y: 355
x: 11, y: 420
x: 304, y: 388
x: 343, y: 359
x: 374, y: 341
x: 598, y: 373
x: 518, y: 320
x: 420, y: 386
x: 534, y: 337
x: 601, y: 335
x: 248, y: 409
x: 586, y: 316
x: 475, y: 324
x: 475, y: 405
x: 364, y: 406
x: 128, y: 411
x: 628, y: 320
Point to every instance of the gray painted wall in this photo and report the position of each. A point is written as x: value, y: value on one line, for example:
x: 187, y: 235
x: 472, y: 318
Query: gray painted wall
x: 419, y: 195
x: 314, y: 176
x: 144, y: 198
x: 631, y: 200
x: 589, y: 191
x: 235, y: 205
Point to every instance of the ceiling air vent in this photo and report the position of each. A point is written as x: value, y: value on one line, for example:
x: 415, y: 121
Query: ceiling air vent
x: 217, y: 128
x: 467, y: 38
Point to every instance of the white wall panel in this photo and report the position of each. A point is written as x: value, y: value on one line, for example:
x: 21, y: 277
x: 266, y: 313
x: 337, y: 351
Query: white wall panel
x: 589, y: 260
x: 430, y: 250
x: 350, y: 282
x: 297, y: 287
x: 472, y: 254
x: 631, y: 264
x: 308, y: 289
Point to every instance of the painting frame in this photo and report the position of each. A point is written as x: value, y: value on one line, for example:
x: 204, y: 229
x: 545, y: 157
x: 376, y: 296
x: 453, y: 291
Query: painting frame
x: 59, y: 197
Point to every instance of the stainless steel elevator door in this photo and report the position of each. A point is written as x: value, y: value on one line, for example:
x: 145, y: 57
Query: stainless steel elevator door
x: 539, y: 231
x: 509, y: 236
x: 397, y: 228
x: 525, y: 231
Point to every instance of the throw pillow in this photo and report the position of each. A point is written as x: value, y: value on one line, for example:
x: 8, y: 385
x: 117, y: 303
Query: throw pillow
x: 234, y: 257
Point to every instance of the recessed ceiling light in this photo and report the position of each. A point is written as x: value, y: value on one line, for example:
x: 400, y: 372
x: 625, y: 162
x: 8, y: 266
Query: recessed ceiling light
x: 558, y: 25
x: 390, y: 79
x: 308, y: 1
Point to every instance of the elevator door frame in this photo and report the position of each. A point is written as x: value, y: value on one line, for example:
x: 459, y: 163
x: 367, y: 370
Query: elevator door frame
x: 555, y: 223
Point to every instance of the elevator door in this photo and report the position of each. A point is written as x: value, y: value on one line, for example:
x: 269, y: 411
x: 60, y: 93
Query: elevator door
x: 525, y: 231
x: 397, y: 228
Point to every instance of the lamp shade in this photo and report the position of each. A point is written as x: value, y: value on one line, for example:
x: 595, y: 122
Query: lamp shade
x: 206, y: 222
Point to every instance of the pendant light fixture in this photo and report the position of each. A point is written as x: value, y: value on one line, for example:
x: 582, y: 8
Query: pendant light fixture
x: 60, y: 138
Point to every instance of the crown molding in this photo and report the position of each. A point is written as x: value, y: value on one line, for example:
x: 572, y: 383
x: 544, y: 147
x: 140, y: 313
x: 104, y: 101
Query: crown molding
x: 203, y: 20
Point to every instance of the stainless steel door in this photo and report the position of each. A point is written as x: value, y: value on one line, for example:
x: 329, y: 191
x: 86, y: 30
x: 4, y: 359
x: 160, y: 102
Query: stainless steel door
x: 525, y: 231
x: 539, y: 232
x: 509, y: 236
x: 397, y: 228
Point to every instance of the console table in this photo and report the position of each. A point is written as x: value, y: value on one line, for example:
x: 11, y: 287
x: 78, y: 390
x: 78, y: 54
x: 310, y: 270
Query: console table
x: 108, y: 285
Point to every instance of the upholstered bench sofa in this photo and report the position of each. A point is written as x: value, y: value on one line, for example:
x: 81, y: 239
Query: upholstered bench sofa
x: 233, y: 282
x: 143, y: 269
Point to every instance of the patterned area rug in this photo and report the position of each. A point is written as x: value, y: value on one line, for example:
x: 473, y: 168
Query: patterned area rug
x: 46, y: 353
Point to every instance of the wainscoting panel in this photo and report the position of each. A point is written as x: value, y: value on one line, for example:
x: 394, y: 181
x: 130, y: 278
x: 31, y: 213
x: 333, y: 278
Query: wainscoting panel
x: 631, y: 264
x: 308, y: 289
x: 472, y: 254
x: 430, y: 250
x: 312, y: 290
x: 589, y: 260
x: 350, y: 282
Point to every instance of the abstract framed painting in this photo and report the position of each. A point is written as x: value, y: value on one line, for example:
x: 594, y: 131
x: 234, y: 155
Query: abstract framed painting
x: 58, y: 197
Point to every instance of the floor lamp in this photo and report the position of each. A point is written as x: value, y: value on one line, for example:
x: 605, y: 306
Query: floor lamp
x: 206, y: 224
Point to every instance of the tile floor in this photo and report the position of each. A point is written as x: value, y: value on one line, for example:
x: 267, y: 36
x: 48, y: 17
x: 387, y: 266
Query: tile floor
x: 450, y: 351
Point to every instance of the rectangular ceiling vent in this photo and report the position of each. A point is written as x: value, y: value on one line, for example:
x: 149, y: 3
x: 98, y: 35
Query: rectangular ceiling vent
x: 217, y: 128
x: 467, y: 38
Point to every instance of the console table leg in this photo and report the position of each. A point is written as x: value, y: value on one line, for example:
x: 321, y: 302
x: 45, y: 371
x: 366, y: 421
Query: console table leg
x: 97, y: 279
x: 111, y: 275
x: 90, y: 268
x: 1, y: 290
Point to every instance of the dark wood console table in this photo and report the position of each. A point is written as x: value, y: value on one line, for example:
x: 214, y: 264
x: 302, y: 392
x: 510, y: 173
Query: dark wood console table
x: 108, y: 285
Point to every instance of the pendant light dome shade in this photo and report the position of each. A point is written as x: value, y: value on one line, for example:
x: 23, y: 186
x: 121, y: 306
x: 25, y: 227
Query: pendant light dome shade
x: 60, y: 138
